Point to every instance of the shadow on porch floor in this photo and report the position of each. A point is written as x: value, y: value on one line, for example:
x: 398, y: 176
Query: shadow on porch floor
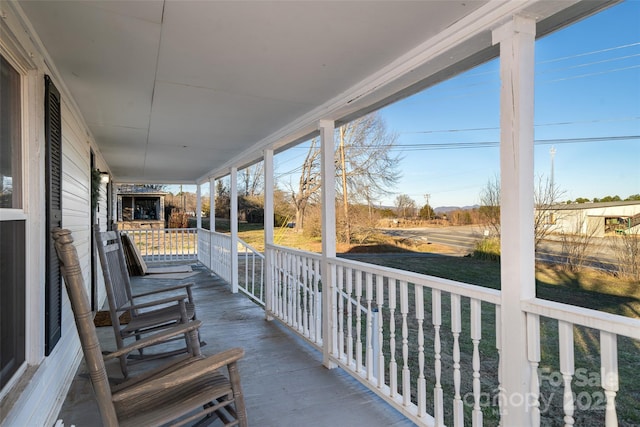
x: 283, y: 379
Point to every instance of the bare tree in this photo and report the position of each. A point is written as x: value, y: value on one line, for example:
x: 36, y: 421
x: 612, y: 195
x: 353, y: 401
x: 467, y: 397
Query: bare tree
x: 576, y: 244
x: 490, y: 205
x: 364, y: 162
x: 252, y: 179
x: 626, y: 248
x: 308, y: 184
x: 404, y: 204
x: 546, y: 198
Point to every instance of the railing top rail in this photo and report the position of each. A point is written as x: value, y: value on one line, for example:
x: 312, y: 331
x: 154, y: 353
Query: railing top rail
x: 472, y: 291
x: 152, y: 230
x: 613, y: 323
x: 219, y: 234
x: 459, y: 288
x: 251, y: 248
x: 299, y: 252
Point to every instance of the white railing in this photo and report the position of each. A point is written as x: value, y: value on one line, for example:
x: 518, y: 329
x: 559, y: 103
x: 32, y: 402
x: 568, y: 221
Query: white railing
x: 216, y: 252
x: 296, y: 291
x: 251, y: 272
x: 166, y: 244
x: 397, y: 345
x: 416, y: 341
x: 595, y: 336
x: 379, y: 321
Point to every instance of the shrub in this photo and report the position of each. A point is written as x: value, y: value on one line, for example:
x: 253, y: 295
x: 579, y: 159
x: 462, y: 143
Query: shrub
x: 487, y: 249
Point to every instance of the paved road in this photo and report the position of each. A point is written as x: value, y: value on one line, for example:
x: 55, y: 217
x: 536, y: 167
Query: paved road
x: 464, y: 239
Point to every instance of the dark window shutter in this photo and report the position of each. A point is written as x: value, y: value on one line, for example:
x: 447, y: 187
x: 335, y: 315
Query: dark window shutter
x: 53, y: 172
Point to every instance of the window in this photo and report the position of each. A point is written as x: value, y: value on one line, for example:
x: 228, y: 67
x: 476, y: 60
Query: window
x: 10, y: 130
x: 12, y: 232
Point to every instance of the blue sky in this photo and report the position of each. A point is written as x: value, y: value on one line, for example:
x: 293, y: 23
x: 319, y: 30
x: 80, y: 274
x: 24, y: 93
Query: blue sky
x: 587, y: 96
x: 587, y: 91
x: 587, y: 106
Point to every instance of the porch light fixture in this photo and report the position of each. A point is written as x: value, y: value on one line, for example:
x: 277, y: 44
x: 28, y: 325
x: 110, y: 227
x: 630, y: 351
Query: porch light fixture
x: 104, y: 177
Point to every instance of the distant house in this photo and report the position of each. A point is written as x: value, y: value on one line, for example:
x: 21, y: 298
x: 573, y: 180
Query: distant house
x: 599, y: 219
x: 140, y: 207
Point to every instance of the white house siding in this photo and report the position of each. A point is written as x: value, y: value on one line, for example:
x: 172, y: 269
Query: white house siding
x: 35, y: 397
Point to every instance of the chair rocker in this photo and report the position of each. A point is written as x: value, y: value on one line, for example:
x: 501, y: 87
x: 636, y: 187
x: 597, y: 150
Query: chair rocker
x: 146, y: 316
x: 176, y: 394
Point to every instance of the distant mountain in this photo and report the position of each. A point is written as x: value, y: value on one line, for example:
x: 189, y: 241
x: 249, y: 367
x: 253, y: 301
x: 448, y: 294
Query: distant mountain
x: 445, y: 209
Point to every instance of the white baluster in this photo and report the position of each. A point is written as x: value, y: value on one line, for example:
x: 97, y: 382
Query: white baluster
x: 438, y: 399
x: 393, y: 366
x: 358, y: 322
x: 339, y: 289
x: 476, y: 336
x: 609, y: 378
x: 380, y: 304
x: 278, y: 284
x: 306, y: 317
x: 349, y: 317
x: 422, y: 383
x: 533, y: 355
x: 369, y: 333
x: 334, y: 314
x: 299, y: 295
x: 456, y: 327
x: 406, y: 375
x: 499, y: 345
x: 317, y: 315
x: 567, y: 367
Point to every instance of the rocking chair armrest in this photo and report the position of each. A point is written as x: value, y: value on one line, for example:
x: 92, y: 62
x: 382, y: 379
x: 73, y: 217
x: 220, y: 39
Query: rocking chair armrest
x: 186, y: 286
x: 163, y: 335
x: 175, y: 298
x: 183, y: 375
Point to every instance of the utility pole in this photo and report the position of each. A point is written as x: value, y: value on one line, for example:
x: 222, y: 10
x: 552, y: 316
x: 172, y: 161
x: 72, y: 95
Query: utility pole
x: 427, y: 196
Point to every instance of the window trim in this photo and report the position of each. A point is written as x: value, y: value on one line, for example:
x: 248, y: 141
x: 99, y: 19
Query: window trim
x: 20, y: 214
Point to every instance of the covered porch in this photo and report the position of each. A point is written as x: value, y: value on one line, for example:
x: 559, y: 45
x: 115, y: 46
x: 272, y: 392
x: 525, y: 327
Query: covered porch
x: 167, y: 92
x: 283, y: 379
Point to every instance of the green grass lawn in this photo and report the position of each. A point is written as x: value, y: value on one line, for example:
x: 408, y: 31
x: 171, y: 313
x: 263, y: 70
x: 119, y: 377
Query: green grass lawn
x: 587, y: 288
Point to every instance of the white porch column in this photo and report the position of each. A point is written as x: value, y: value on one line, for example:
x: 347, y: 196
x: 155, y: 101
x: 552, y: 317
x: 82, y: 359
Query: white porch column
x: 517, y: 43
x: 233, y: 223
x: 212, y: 204
x: 268, y: 231
x: 212, y: 221
x: 198, y: 207
x: 328, y: 175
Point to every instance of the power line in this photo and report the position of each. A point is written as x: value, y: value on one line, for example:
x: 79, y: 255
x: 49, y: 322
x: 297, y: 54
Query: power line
x: 576, y: 122
x: 489, y: 144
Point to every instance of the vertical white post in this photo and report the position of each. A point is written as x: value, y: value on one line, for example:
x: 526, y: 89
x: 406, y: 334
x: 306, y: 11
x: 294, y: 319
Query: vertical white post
x: 476, y: 336
x: 212, y: 222
x: 328, y: 177
x: 567, y: 368
x: 517, y: 45
x: 233, y: 222
x: 198, y: 207
x: 609, y: 375
x: 268, y: 231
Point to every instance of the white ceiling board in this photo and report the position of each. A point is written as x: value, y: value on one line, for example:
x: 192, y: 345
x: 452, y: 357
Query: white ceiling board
x: 194, y: 116
x: 296, y: 51
x: 226, y: 78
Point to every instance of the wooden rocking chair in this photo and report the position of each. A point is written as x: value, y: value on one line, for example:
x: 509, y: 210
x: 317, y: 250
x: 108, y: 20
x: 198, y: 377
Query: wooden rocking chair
x: 145, y: 317
x: 179, y: 393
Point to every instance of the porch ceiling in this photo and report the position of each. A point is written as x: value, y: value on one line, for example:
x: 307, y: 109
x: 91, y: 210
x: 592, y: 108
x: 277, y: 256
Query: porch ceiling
x: 175, y: 90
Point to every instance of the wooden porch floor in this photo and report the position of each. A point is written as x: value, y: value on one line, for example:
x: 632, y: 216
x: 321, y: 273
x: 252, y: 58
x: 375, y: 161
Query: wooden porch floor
x: 283, y: 379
